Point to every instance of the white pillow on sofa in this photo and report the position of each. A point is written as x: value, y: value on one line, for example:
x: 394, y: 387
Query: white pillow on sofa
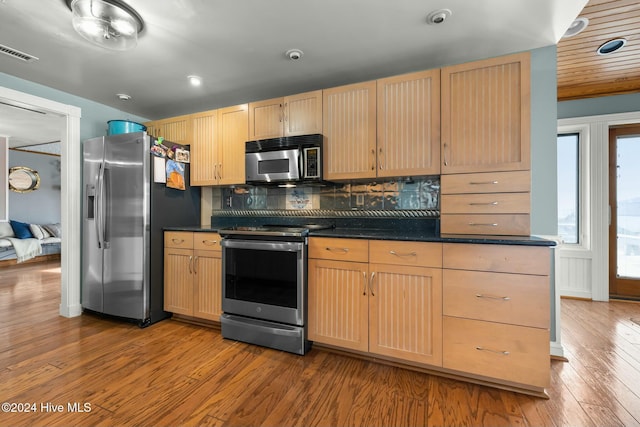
x: 6, y: 230
x: 39, y: 232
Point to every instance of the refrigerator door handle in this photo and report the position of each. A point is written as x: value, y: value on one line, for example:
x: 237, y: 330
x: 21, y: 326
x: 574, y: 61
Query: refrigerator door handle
x: 99, y: 216
x: 106, y: 195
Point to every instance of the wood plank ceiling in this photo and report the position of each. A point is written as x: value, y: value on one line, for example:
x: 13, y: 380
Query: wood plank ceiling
x: 582, y: 73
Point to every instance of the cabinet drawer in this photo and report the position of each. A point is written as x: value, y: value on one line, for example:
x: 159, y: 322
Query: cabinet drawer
x: 486, y: 203
x: 178, y: 239
x: 207, y: 241
x: 491, y: 182
x: 498, y: 258
x: 493, y: 224
x: 517, y: 299
x: 339, y: 249
x: 511, y: 353
x: 421, y: 254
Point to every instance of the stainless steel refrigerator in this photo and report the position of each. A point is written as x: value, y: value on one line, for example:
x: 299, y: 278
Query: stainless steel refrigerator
x: 124, y: 214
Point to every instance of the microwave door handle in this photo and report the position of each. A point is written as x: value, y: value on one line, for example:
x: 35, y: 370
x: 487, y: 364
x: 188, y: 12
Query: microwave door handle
x: 301, y: 171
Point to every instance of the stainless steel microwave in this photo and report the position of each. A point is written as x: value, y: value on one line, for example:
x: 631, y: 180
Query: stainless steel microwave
x: 293, y: 159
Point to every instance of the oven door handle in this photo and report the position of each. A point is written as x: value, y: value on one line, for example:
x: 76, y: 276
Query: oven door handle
x: 262, y: 245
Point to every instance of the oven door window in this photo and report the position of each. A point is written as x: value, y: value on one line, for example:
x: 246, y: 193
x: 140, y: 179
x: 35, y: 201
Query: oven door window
x: 263, y: 276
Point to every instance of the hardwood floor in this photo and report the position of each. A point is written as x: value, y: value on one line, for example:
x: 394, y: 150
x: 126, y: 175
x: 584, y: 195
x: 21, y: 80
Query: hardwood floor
x: 175, y: 374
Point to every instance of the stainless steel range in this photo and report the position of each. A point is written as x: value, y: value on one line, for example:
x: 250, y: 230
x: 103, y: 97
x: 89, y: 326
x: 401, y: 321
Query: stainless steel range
x: 264, y: 290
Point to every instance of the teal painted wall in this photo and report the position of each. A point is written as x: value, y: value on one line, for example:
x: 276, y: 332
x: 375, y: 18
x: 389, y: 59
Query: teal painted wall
x: 544, y: 93
x: 94, y: 115
x: 597, y: 106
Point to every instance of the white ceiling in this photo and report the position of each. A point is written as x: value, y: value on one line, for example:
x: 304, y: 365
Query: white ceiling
x: 238, y: 47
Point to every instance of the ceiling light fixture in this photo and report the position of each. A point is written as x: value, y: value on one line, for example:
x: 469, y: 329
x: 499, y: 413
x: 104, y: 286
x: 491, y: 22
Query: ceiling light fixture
x: 438, y: 16
x: 123, y: 96
x: 108, y: 23
x: 576, y: 27
x: 294, y: 54
x: 611, y: 46
x: 194, y: 80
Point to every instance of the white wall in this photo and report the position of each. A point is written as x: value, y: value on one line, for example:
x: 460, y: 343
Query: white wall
x: 4, y: 180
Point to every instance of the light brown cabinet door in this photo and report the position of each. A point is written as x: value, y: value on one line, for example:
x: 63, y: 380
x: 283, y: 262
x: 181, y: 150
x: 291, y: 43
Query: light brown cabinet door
x: 349, y: 128
x: 266, y: 119
x: 486, y: 115
x: 204, y: 148
x: 233, y: 133
x: 303, y: 113
x: 207, y: 275
x: 409, y: 124
x: 405, y: 313
x: 178, y: 281
x: 338, y: 304
x: 173, y: 129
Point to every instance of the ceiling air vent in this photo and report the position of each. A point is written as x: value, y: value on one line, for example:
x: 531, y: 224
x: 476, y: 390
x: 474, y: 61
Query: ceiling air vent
x: 17, y: 54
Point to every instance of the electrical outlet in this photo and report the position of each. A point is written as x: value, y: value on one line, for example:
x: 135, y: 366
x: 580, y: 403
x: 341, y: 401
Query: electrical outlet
x: 228, y: 202
x: 359, y: 199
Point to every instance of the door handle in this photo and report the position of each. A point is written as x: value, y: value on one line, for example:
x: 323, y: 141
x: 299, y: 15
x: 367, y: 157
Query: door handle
x: 373, y: 275
x: 364, y: 282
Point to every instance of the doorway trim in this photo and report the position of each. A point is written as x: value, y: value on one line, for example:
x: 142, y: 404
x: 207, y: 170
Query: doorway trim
x: 70, y: 194
x: 595, y: 260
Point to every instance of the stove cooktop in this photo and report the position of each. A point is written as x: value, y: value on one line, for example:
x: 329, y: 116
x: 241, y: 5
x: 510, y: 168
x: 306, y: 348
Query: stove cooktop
x: 273, y: 230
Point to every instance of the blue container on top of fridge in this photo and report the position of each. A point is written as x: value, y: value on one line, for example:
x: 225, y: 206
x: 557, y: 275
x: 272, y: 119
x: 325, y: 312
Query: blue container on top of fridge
x: 117, y: 127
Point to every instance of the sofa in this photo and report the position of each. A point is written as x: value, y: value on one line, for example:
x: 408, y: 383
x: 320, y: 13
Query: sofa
x: 24, y: 242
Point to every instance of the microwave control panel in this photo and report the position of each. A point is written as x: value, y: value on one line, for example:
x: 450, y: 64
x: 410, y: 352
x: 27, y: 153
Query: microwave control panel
x: 312, y: 162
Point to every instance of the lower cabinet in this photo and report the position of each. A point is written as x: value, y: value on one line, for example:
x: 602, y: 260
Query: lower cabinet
x: 391, y: 308
x: 497, y: 313
x: 193, y: 274
x: 479, y: 311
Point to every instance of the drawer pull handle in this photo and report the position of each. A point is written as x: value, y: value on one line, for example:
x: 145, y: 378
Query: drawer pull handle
x: 502, y: 352
x: 480, y: 224
x: 400, y: 254
x: 484, y: 204
x: 493, y: 297
x: 177, y: 241
x: 209, y: 242
x: 345, y: 250
x: 484, y: 183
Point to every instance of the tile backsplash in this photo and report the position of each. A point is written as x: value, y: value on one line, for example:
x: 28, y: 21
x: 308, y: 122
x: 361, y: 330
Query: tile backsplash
x: 400, y: 194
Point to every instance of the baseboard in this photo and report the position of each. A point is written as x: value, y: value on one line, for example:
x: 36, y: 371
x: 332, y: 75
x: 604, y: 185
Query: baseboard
x: 41, y: 258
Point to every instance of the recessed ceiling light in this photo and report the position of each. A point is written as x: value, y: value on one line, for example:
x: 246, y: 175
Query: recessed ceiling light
x: 294, y: 54
x: 576, y: 27
x: 438, y: 16
x: 195, y: 80
x: 611, y: 46
x: 123, y: 96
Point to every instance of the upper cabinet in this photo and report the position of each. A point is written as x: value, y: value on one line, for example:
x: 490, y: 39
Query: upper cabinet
x: 204, y: 148
x: 233, y: 132
x: 409, y: 124
x: 349, y: 128
x: 299, y: 114
x: 486, y: 115
x: 173, y: 129
x: 384, y: 128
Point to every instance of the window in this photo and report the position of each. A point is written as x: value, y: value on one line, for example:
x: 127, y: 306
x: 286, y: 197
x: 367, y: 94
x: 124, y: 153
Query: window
x: 569, y: 187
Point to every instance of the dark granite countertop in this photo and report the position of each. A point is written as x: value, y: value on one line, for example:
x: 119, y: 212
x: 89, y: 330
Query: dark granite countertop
x: 380, y: 234
x: 403, y: 235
